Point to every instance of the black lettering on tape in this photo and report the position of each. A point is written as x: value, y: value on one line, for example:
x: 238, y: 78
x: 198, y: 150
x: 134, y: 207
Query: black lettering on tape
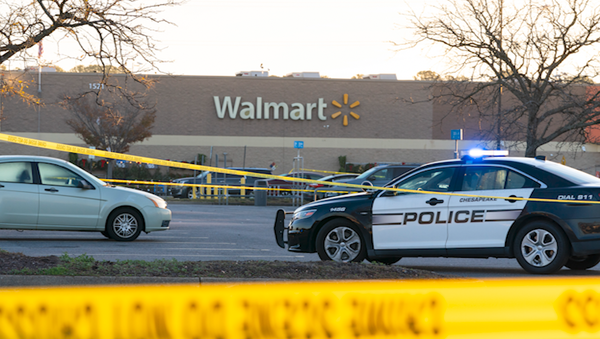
x: 78, y: 320
x: 397, y: 315
x: 141, y: 320
x: 299, y: 317
x: 202, y: 318
x: 579, y: 311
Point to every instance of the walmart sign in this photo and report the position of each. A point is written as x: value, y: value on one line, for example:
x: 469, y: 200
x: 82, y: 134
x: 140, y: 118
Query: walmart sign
x: 268, y: 110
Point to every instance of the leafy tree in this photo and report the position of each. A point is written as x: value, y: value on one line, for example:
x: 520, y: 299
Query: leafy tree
x: 113, y: 32
x: 357, y: 76
x: 427, y: 76
x: 516, y: 56
x: 109, y: 126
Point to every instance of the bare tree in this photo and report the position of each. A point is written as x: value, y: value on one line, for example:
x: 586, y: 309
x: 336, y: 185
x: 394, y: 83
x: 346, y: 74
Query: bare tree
x: 109, y: 126
x: 95, y: 69
x: 517, y: 57
x: 113, y: 32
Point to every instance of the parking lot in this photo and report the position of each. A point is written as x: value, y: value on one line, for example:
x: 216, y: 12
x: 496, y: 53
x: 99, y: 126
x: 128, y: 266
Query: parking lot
x: 219, y: 232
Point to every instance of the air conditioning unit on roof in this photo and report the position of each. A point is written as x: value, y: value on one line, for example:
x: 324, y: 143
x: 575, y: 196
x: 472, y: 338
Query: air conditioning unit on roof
x: 303, y: 75
x: 380, y: 77
x: 253, y: 74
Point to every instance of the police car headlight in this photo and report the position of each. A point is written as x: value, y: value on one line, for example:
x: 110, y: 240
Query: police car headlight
x: 304, y: 214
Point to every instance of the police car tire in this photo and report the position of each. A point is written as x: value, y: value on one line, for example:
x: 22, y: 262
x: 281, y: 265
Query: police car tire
x: 554, y: 241
x: 583, y: 262
x: 329, y: 234
x: 189, y: 194
x: 385, y: 261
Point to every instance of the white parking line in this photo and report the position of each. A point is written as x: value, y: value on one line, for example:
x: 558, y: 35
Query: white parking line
x: 199, y: 243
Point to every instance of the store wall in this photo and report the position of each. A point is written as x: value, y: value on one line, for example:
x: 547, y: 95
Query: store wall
x: 397, y: 122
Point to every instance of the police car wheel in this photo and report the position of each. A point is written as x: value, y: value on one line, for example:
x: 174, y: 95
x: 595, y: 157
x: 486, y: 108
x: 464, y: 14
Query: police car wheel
x: 189, y: 193
x: 583, y: 262
x: 385, y: 261
x: 340, y: 241
x: 541, y: 248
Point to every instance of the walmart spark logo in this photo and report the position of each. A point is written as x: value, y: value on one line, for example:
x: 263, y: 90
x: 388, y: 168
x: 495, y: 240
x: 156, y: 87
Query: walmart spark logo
x: 352, y: 114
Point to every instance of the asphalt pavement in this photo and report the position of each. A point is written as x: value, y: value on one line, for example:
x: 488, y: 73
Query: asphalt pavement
x: 213, y: 232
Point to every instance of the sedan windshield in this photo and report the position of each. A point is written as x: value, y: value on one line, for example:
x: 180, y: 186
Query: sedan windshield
x: 368, y: 173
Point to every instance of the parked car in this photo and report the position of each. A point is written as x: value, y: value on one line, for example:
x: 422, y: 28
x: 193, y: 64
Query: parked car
x: 217, y: 179
x: 378, y: 176
x: 286, y: 185
x: 542, y: 213
x: 48, y: 194
x: 324, y: 180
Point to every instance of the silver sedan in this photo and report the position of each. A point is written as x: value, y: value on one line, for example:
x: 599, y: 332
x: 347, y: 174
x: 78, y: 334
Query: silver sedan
x: 42, y: 193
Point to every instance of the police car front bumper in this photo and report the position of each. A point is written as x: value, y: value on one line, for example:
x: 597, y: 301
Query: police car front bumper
x: 296, y: 239
x: 280, y: 228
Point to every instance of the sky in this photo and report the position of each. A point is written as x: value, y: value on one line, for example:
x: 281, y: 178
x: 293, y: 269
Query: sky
x: 336, y: 38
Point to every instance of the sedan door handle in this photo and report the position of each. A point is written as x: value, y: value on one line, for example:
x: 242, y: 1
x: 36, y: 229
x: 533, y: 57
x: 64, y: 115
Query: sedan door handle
x: 511, y: 200
x: 51, y: 189
x: 434, y: 201
x: 1, y: 186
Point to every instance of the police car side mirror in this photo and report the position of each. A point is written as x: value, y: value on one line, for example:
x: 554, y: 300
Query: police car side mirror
x: 389, y: 194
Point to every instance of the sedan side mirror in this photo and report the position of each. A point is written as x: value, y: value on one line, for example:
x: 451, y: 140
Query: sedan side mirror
x: 84, y: 185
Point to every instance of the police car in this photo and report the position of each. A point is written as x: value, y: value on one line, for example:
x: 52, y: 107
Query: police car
x: 544, y: 214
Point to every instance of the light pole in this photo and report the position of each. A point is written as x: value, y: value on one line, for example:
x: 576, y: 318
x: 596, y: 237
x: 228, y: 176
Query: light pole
x: 499, y: 129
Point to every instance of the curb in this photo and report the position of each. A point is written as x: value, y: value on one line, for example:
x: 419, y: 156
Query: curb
x: 53, y: 280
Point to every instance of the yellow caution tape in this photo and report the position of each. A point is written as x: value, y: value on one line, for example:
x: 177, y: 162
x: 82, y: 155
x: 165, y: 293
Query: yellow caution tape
x: 142, y: 182
x: 320, y: 171
x: 112, y: 155
x: 510, y: 308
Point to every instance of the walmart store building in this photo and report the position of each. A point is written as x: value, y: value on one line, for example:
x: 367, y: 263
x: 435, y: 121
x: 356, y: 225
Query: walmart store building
x: 256, y: 120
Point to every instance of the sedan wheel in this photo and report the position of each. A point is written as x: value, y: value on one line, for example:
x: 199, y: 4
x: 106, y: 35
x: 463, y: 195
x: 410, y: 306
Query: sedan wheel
x: 124, y: 225
x: 541, y: 247
x: 339, y: 241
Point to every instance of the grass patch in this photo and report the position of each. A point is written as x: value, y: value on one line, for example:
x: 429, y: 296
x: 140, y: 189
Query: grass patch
x: 85, y: 265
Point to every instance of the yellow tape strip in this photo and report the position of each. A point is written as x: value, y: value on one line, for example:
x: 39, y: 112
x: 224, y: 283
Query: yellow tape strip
x: 140, y: 182
x: 320, y: 171
x: 533, y: 308
x: 112, y: 155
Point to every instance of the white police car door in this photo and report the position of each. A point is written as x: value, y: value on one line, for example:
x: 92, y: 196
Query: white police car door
x: 484, y: 221
x: 414, y: 220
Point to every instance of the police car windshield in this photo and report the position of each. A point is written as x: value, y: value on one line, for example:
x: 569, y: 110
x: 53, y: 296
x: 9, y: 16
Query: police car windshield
x: 575, y: 176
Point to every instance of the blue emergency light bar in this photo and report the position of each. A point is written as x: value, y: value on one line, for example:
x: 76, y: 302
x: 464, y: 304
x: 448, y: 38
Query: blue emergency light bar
x: 480, y: 153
